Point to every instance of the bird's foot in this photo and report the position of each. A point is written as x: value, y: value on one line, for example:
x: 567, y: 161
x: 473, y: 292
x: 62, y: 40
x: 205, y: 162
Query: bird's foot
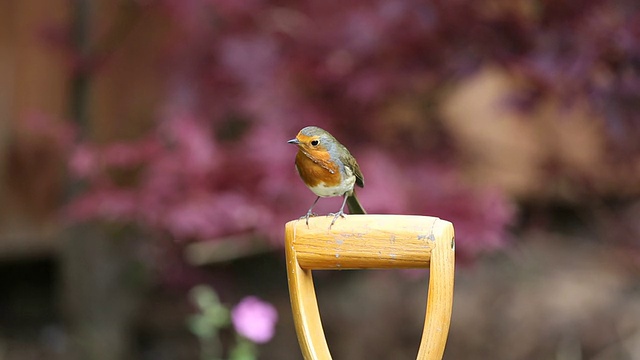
x: 336, y: 216
x: 307, y: 216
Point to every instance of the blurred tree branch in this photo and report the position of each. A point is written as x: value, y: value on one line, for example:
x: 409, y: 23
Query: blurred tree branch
x: 98, y: 293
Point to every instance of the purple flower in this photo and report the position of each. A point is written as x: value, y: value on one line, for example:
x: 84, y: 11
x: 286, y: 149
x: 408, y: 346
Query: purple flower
x: 255, y: 319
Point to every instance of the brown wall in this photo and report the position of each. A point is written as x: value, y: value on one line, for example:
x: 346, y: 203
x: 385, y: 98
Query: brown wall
x: 36, y: 70
x: 34, y: 79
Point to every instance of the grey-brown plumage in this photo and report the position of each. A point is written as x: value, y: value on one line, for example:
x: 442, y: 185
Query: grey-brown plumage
x: 328, y: 168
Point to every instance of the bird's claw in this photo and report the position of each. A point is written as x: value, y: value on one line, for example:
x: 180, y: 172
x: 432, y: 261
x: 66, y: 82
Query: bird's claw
x: 336, y: 216
x: 307, y: 216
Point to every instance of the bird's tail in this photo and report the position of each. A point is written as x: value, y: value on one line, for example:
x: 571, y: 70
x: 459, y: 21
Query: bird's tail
x: 354, y: 205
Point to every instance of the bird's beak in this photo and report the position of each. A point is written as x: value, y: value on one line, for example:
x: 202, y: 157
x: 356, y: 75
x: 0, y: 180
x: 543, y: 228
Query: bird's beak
x: 294, y: 141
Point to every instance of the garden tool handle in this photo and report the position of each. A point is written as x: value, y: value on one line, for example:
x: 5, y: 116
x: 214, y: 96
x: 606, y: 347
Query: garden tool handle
x: 370, y: 242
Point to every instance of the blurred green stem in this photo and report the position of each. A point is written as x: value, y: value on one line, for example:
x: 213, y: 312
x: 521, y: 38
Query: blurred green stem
x: 244, y: 350
x: 211, y: 348
x: 206, y: 324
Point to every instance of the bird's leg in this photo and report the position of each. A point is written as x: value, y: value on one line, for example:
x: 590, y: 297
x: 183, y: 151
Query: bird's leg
x: 339, y: 213
x: 309, y: 213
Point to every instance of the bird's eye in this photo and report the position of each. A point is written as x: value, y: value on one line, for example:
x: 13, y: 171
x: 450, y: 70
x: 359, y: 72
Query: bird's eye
x: 315, y: 142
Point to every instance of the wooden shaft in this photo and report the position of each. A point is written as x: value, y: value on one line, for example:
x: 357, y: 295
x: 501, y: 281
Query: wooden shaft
x: 440, y: 296
x: 306, y: 315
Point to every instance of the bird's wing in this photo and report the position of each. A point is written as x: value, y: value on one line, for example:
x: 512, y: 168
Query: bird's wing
x: 350, y: 162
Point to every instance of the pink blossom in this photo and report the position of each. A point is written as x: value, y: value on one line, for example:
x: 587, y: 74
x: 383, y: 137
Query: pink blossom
x: 380, y: 171
x: 130, y: 154
x: 46, y: 128
x: 250, y: 58
x: 83, y: 162
x: 255, y: 319
x: 109, y: 203
x: 193, y: 142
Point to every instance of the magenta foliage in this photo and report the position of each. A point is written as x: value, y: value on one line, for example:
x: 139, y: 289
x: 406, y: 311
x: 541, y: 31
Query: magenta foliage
x: 244, y: 76
x: 183, y: 183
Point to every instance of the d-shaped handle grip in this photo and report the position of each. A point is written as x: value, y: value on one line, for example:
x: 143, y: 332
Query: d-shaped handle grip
x: 370, y: 242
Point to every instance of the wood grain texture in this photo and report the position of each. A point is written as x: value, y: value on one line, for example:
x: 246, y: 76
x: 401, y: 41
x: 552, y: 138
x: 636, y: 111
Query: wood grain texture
x: 364, y: 242
x: 440, y: 296
x: 370, y: 242
x: 304, y: 305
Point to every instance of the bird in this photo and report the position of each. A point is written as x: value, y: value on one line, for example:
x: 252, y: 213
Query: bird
x: 328, y: 169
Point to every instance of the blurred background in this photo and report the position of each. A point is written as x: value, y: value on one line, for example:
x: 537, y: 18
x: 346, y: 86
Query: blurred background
x: 145, y: 178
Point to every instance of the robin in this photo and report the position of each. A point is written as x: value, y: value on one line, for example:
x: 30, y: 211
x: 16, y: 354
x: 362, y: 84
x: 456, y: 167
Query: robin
x: 328, y: 169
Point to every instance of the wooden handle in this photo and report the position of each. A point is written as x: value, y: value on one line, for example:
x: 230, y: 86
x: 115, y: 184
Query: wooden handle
x: 364, y: 242
x: 370, y: 241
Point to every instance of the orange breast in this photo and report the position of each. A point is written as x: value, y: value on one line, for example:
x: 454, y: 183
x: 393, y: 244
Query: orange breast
x: 319, y: 170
